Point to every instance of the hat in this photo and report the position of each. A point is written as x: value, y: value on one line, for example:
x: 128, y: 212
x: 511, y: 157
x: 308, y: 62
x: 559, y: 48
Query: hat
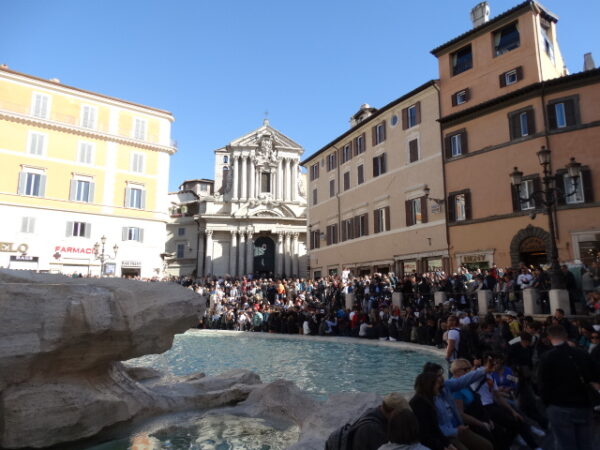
x: 511, y: 313
x: 395, y: 400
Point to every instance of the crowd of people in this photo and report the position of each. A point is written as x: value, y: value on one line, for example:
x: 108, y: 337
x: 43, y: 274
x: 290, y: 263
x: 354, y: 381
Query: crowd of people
x: 512, y: 378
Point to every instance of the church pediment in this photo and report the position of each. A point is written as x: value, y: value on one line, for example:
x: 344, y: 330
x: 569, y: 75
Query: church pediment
x: 258, y: 137
x: 264, y: 209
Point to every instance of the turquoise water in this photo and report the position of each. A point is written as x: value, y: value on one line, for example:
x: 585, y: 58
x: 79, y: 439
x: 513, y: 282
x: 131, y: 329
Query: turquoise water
x: 318, y: 367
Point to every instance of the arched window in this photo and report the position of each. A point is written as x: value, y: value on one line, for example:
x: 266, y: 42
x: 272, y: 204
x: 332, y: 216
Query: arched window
x: 225, y: 159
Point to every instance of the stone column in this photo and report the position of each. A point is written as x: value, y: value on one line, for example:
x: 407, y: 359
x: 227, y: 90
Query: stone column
x: 286, y: 180
x: 294, y: 186
x: 244, y: 179
x: 484, y: 296
x: 559, y: 298
x: 295, y: 251
x: 287, y: 251
x: 200, y: 254
x: 209, y: 250
x: 249, y: 254
x: 236, y: 174
x: 397, y: 299
x: 439, y: 298
x: 279, y: 262
x: 252, y: 178
x: 233, y: 254
x: 530, y: 301
x: 279, y: 187
x: 241, y: 271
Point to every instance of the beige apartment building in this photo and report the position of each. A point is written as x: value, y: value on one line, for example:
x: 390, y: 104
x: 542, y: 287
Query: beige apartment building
x: 376, y: 192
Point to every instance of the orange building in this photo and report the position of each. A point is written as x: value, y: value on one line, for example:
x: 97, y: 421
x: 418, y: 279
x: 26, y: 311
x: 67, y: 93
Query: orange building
x: 505, y: 93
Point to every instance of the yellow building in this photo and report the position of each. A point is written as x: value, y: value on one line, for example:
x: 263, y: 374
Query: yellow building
x: 76, y: 166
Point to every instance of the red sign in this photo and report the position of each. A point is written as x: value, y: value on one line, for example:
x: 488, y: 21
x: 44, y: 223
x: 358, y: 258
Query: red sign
x: 78, y: 250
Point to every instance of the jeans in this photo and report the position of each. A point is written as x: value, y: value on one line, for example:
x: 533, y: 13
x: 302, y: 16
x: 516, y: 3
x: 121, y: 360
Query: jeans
x: 572, y: 427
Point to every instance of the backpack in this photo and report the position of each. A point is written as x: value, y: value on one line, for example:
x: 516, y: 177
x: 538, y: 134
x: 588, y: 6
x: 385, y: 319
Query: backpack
x: 341, y: 439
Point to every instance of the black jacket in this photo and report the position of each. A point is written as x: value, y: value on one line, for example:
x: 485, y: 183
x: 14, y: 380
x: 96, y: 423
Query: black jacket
x: 563, y: 374
x: 371, y: 435
x: 430, y: 434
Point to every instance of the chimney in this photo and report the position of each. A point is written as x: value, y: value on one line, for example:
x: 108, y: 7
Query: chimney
x: 588, y: 62
x: 55, y: 80
x: 364, y: 112
x: 4, y: 66
x: 480, y: 14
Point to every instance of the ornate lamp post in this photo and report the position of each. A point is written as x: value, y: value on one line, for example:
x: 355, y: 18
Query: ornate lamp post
x: 100, y: 253
x: 548, y: 197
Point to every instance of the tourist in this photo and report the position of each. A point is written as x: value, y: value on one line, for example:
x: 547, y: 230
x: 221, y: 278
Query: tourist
x: 403, y: 432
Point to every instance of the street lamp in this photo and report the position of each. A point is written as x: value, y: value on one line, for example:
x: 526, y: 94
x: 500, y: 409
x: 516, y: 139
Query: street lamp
x: 548, y: 197
x: 437, y: 201
x: 100, y: 253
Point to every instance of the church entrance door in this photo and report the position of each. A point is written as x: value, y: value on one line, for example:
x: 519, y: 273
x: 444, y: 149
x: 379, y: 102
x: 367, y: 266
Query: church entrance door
x: 264, y: 256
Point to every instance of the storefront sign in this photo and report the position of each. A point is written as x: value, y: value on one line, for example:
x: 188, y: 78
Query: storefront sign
x: 474, y: 258
x: 131, y: 264
x: 77, y: 250
x: 10, y: 247
x: 24, y: 258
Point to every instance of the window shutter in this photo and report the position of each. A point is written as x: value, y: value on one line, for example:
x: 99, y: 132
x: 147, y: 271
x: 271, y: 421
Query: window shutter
x: 519, y: 73
x: 586, y: 179
x: 409, y: 213
x: 350, y: 145
x: 559, y: 182
x: 124, y: 232
x: 355, y: 146
x: 354, y: 228
x: 42, y: 185
x: 454, y: 101
x: 413, y: 150
x: 143, y: 202
x: 91, y: 196
x: 514, y: 125
x: 451, y: 208
x: 570, y: 112
x: 376, y: 220
x: 467, y: 94
x: 418, y: 108
x: 69, y: 232
x: 448, y: 147
x: 383, y: 164
x: 468, y: 205
x: 423, y: 209
x: 551, y: 109
x: 22, y: 183
x: 464, y: 148
x: 366, y: 223
x: 387, y: 218
x: 24, y: 224
x: 375, y: 167
x: 73, y: 191
x: 374, y: 136
x: 503, y: 80
x: 88, y: 230
x: 516, y: 203
x: 141, y: 235
x: 127, y: 197
x: 405, y: 118
x: 384, y: 131
x: 531, y: 121
x: 537, y: 187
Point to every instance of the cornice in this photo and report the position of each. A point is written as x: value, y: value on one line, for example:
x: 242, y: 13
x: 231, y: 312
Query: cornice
x: 59, y: 126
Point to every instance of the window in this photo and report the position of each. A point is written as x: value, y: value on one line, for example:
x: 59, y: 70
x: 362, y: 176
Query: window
x: 331, y: 161
x: 331, y: 188
x: 88, y: 116
x: 511, y: 77
x: 456, y: 144
x: 32, y: 182
x: 462, y: 60
x: 85, y: 153
x: 461, y: 97
x: 347, y: 229
x: 82, y: 191
x: 314, y: 171
x: 411, y: 116
x: 135, y: 197
x: 413, y: 151
x: 416, y: 211
x: 379, y: 165
x: 361, y: 225
x: 79, y: 229
x: 506, y: 39
x: 347, y: 153
x: 360, y: 172
x: 314, y: 196
x: 578, y: 196
x: 584, y: 192
x: 563, y: 113
x: 315, y: 239
x: 548, y: 46
x: 526, y: 188
x: 40, y: 105
x: 265, y: 182
x: 203, y: 187
x: 137, y: 162
x: 381, y: 218
x: 521, y: 123
x: 28, y: 225
x: 332, y: 234
x: 346, y: 180
x: 180, y: 251
x: 359, y: 144
x: 225, y: 159
x: 180, y: 231
x: 139, y: 129
x: 133, y: 234
x: 378, y: 133
x: 394, y: 120
x: 459, y: 206
x: 37, y: 143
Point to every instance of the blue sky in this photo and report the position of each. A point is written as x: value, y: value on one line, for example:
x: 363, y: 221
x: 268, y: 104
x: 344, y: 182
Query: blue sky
x: 219, y: 65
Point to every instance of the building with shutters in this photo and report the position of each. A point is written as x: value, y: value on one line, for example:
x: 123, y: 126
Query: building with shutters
x: 251, y: 220
x: 505, y: 93
x: 77, y: 166
x: 376, y: 192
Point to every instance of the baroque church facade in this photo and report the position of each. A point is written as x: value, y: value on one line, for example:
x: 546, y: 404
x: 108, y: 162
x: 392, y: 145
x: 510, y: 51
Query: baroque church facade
x: 251, y: 220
